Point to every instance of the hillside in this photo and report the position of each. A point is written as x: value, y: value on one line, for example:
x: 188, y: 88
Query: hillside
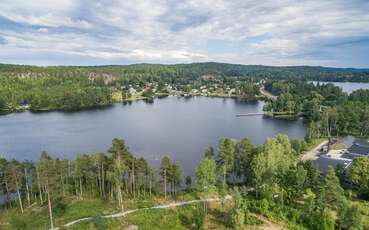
x: 194, y: 70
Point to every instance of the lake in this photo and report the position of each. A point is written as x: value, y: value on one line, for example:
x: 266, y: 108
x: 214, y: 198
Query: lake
x: 175, y: 126
x: 347, y: 87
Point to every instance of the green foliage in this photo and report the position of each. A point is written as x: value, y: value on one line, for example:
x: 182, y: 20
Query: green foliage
x: 359, y: 174
x: 322, y: 220
x: 176, y: 176
x: 188, y: 181
x: 331, y: 193
x: 298, y: 146
x: 209, y: 152
x: 238, y: 215
x: 237, y: 218
x: 17, y: 222
x: 263, y: 205
x: 157, y: 219
x: 330, y: 111
x: 349, y: 216
x: 51, y: 92
x: 226, y: 155
x: 99, y: 223
x: 92, y: 185
x: 271, y: 163
x: 206, y: 176
x: 192, y: 217
x: 242, y: 158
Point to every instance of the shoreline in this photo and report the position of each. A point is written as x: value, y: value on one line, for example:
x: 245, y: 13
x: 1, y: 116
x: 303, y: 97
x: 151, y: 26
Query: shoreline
x: 139, y: 98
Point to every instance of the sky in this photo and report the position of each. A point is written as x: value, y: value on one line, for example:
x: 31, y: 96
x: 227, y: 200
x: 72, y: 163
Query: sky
x: 267, y: 32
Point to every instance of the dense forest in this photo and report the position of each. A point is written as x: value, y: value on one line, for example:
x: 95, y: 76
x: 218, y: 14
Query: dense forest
x: 330, y: 111
x: 50, y: 93
x: 271, y: 182
x: 77, y: 87
x: 193, y: 71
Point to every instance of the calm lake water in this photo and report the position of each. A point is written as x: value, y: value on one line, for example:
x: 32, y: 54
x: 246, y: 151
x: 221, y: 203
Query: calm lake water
x: 178, y: 127
x: 347, y: 87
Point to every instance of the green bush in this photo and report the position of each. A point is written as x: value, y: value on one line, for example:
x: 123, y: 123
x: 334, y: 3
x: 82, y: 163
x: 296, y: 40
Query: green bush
x: 237, y: 218
x: 264, y: 205
x: 99, y: 223
x: 17, y: 222
x: 193, y: 217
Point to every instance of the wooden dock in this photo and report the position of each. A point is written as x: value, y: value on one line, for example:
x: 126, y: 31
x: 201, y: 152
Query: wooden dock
x: 270, y: 114
x: 249, y: 114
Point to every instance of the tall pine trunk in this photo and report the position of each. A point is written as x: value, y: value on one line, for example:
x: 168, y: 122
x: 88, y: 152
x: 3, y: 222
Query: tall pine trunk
x: 27, y: 188
x: 80, y: 188
x: 39, y: 186
x: 49, y: 206
x: 103, y: 179
x: 165, y: 183
x: 18, y: 192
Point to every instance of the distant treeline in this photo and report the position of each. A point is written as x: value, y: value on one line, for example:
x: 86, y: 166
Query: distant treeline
x: 76, y: 87
x: 195, y: 70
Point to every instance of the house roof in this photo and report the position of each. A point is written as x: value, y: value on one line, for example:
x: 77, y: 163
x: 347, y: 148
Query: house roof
x: 362, y: 142
x: 360, y: 146
x: 348, y: 156
x: 323, y: 162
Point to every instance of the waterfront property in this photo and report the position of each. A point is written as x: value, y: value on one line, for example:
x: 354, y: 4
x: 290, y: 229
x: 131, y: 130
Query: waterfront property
x: 334, y: 157
x: 359, y: 147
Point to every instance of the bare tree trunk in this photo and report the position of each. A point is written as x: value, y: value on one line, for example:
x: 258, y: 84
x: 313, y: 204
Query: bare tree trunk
x: 150, y: 185
x: 19, y: 196
x: 133, y: 179
x: 120, y: 198
x: 76, y: 188
x: 39, y: 185
x: 17, y: 187
x: 80, y: 188
x: 99, y: 178
x: 165, y: 183
x: 28, y: 197
x: 103, y: 178
x: 49, y: 206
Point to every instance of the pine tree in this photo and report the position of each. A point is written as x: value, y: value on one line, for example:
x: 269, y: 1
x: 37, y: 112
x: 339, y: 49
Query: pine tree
x: 165, y: 172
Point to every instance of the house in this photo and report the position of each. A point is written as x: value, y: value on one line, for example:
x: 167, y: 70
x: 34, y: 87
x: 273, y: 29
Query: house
x: 131, y: 91
x: 323, y: 162
x: 360, y: 147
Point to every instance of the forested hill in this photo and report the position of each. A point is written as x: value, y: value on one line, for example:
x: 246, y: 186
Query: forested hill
x: 194, y: 70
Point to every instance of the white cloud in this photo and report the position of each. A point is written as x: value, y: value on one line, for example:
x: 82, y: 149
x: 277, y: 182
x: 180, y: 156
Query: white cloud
x: 271, y: 32
x: 41, y: 12
x: 43, y: 30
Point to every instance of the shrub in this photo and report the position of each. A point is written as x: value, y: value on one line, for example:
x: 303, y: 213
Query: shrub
x: 237, y: 218
x: 99, y: 223
x: 193, y: 217
x: 16, y: 222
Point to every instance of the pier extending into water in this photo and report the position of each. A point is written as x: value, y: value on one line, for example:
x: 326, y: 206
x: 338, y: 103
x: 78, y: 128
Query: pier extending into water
x: 249, y: 114
x: 271, y: 114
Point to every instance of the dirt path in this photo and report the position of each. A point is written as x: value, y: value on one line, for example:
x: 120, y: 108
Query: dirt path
x: 125, y: 213
x: 267, y: 224
x: 267, y: 94
x: 314, y: 153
